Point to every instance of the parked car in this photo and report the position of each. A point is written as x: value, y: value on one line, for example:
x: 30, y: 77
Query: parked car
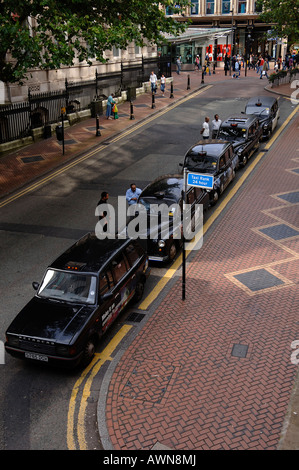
x: 168, y: 190
x: 244, y: 132
x: 81, y: 294
x: 216, y: 158
x: 266, y: 108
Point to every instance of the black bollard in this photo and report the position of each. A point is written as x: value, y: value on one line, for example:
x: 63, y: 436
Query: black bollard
x: 131, y: 111
x: 171, y: 90
x: 98, y: 132
x: 202, y: 76
x: 153, y: 100
x: 188, y: 82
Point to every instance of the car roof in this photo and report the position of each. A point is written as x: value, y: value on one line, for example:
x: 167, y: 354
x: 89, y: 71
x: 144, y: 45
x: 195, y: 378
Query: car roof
x: 242, y: 120
x: 213, y: 147
x: 166, y: 186
x: 264, y: 100
x: 89, y: 253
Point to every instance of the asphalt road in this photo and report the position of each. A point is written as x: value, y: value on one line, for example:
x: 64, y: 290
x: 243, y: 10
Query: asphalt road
x: 34, y: 401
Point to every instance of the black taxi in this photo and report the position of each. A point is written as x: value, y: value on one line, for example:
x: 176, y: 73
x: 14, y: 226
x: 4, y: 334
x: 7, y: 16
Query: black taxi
x: 266, y: 108
x: 81, y: 294
x: 216, y: 158
x: 167, y: 190
x: 244, y: 132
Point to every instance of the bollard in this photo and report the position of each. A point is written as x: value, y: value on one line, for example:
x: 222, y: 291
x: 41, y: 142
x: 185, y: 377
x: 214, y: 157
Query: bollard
x: 202, y: 76
x: 98, y: 132
x: 171, y: 90
x: 131, y: 111
x: 188, y: 82
x: 153, y: 100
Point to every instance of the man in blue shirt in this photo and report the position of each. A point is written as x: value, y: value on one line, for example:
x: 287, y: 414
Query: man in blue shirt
x: 132, y: 194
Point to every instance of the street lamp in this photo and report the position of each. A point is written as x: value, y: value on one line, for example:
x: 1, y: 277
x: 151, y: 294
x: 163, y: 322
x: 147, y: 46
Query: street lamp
x: 232, y: 39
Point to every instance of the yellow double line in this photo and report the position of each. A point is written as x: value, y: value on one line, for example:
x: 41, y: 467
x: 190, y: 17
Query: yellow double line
x: 78, y: 400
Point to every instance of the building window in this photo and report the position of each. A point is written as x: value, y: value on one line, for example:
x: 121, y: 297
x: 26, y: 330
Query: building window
x: 115, y: 52
x: 242, y: 6
x: 225, y: 7
x: 210, y: 8
x: 194, y: 7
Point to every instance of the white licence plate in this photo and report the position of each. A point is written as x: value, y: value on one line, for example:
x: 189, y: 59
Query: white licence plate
x: 37, y: 357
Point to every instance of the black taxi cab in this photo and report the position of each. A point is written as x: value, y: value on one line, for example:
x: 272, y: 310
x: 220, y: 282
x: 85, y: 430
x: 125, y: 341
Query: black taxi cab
x: 244, y: 132
x: 266, y: 108
x: 81, y: 294
x: 167, y: 191
x: 216, y: 158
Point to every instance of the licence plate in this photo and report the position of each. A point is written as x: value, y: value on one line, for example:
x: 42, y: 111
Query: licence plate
x: 37, y: 357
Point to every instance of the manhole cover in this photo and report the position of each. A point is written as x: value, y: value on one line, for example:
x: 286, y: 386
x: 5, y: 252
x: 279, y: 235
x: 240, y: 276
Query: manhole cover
x: 239, y: 350
x: 33, y: 159
x: 258, y: 279
x: 278, y: 232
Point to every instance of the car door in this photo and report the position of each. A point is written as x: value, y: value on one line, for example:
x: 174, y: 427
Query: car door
x: 108, y: 298
x: 274, y: 115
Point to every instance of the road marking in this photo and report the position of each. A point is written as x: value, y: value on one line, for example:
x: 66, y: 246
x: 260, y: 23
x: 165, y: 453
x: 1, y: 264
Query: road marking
x: 78, y: 427
x: 99, y: 149
x: 174, y: 267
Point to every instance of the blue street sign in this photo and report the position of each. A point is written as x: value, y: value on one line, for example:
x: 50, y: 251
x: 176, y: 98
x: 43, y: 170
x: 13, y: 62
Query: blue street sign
x: 201, y: 181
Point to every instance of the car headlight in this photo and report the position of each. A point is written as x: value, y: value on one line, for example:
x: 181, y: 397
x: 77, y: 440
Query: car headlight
x: 161, y: 243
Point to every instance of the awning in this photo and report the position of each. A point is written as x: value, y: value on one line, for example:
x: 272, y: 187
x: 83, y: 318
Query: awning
x: 201, y: 35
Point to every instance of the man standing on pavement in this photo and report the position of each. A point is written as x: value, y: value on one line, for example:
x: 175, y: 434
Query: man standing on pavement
x: 153, y: 81
x: 205, y: 131
x: 215, y: 126
x: 132, y: 194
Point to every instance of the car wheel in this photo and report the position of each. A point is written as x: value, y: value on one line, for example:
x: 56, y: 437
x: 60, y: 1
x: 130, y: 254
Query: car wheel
x: 244, y: 160
x: 215, y: 198
x: 88, y: 352
x: 139, y: 290
x: 172, y: 251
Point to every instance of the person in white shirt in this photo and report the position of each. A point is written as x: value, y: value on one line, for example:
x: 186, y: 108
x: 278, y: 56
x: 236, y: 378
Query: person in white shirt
x: 205, y: 131
x: 215, y: 126
x: 153, y: 81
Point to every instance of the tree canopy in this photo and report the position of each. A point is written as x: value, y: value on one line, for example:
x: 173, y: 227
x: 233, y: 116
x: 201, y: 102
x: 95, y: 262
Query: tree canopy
x: 283, y: 16
x: 51, y: 33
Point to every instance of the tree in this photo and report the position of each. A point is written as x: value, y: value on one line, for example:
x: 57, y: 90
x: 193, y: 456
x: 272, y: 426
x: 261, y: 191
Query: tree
x: 285, y: 18
x: 51, y: 33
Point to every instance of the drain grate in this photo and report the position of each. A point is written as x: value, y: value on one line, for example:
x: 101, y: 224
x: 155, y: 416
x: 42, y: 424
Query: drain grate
x: 239, y: 350
x: 136, y: 317
x: 33, y: 159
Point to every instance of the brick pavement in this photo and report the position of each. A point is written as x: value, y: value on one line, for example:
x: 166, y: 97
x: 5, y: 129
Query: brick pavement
x: 214, y: 371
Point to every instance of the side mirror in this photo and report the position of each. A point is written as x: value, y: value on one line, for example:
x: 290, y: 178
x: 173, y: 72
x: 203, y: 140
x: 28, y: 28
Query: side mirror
x: 35, y: 285
x: 180, y: 164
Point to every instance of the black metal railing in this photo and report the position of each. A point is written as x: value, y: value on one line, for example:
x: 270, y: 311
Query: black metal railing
x: 41, y: 109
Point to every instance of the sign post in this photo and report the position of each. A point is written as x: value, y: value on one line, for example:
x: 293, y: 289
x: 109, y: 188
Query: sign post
x: 63, y: 111
x: 201, y: 181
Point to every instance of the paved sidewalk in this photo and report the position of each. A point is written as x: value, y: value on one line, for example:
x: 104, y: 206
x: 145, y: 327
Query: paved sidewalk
x: 26, y: 164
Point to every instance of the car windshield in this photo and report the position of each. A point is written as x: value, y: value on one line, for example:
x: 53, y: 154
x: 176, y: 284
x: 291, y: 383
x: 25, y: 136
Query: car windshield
x: 68, y: 287
x: 232, y: 133
x: 258, y: 111
x: 204, y: 163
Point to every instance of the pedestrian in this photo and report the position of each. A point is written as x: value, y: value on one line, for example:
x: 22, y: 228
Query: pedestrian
x: 264, y: 69
x: 197, y: 63
x: 178, y: 65
x: 132, y: 194
x: 237, y: 70
x: 103, y: 214
x: 153, y: 81
x: 226, y: 64
x: 110, y: 103
x: 205, y: 131
x: 215, y: 126
x: 163, y: 82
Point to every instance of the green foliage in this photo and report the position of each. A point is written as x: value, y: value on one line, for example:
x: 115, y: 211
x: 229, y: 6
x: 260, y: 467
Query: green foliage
x: 59, y: 31
x: 284, y: 14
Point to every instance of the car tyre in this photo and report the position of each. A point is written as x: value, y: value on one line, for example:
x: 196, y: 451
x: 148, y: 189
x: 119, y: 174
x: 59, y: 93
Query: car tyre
x: 88, y: 351
x: 244, y: 160
x: 139, y: 290
x: 172, y: 251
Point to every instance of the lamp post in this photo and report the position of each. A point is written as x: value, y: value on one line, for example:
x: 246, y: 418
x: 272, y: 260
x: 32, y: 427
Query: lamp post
x: 232, y: 40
